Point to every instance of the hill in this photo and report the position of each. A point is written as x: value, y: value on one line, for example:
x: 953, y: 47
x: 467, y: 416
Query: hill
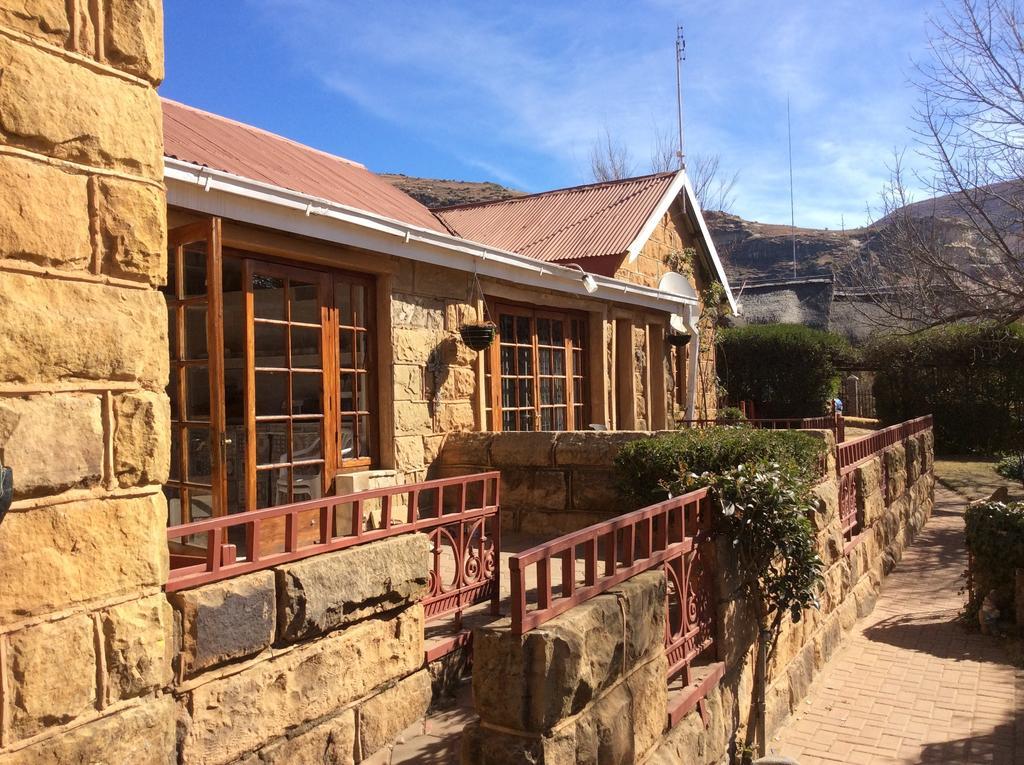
x: 436, y: 192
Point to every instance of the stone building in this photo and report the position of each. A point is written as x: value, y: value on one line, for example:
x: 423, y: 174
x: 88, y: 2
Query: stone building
x: 336, y: 292
x: 200, y: 318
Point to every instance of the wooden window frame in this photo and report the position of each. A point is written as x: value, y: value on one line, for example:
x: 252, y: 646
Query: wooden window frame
x: 572, y: 353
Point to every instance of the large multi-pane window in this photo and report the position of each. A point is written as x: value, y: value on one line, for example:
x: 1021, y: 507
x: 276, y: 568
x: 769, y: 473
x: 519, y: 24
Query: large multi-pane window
x: 541, y: 379
x: 271, y: 383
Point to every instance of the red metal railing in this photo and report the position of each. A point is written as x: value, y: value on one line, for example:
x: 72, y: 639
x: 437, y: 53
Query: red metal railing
x: 674, y: 534
x: 852, y: 453
x: 459, y: 515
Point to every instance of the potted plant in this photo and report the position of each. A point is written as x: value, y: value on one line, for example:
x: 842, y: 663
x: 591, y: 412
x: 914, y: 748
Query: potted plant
x: 678, y: 339
x: 478, y: 336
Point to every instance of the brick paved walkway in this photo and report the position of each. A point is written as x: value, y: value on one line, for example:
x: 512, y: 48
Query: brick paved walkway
x: 911, y: 685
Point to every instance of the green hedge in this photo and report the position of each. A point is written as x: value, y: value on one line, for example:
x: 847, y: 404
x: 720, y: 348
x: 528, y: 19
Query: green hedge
x: 971, y: 377
x: 995, y: 538
x: 788, y: 370
x: 646, y: 467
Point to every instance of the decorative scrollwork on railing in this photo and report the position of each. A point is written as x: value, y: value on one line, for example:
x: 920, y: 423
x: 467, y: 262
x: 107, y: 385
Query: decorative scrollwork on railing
x: 463, y: 565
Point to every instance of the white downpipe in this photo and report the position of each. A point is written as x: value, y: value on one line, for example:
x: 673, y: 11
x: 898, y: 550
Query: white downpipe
x: 694, y: 364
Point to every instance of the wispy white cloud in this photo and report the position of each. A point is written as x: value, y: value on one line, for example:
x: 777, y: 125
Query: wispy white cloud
x: 520, y: 91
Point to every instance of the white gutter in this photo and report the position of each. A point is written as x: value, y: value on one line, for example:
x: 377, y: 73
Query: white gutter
x: 214, y: 192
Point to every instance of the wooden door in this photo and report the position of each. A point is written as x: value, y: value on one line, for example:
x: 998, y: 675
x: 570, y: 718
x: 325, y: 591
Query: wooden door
x: 196, y: 487
x: 291, y: 417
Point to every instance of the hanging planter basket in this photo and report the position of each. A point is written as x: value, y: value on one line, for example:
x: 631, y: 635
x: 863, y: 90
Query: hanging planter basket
x: 478, y: 337
x: 678, y: 339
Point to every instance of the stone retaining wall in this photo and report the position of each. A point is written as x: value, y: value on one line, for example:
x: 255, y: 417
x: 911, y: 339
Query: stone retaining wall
x: 589, y: 686
x: 551, y: 483
x: 319, y: 660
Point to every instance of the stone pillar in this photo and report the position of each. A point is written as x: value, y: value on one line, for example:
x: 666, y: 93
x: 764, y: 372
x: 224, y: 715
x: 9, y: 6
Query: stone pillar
x: 84, y: 626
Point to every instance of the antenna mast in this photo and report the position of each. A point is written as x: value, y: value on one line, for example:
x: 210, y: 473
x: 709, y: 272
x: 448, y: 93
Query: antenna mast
x: 680, y: 58
x: 792, y: 208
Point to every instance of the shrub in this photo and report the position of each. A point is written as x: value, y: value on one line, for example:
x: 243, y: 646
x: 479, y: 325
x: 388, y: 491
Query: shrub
x: 995, y: 538
x: 1011, y: 466
x: 764, y: 512
x: 731, y: 414
x: 788, y: 370
x: 645, y: 468
x: 968, y: 376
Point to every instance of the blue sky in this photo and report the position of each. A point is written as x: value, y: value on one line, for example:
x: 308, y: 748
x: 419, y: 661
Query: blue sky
x: 518, y: 92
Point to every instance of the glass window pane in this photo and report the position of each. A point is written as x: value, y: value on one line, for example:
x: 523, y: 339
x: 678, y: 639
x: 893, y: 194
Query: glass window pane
x: 348, y: 392
x: 523, y: 334
x: 346, y: 341
x: 306, y: 348
x: 508, y: 393
x: 271, y: 443
x: 526, y: 419
x: 271, y: 489
x: 305, y: 299
x: 525, y: 392
x: 506, y: 327
x: 172, y: 394
x: 359, y: 304
x: 195, y: 269
x: 234, y: 395
x: 198, y: 467
x: 307, y: 393
x: 268, y: 297
x: 559, y: 419
x: 545, y: 392
x: 172, y: 331
x: 348, y: 440
x: 195, y: 332
x: 525, y: 361
x: 363, y: 392
x: 544, y: 331
x: 509, y: 421
x: 197, y: 393
x: 544, y: 357
x: 362, y: 350
x: 271, y: 345
x: 546, y: 422
x: 508, y: 360
x: 271, y: 393
x: 306, y: 442
x: 343, y: 300
x: 559, y: 390
x: 176, y: 467
x: 558, y: 367
x: 364, y: 436
x: 557, y: 333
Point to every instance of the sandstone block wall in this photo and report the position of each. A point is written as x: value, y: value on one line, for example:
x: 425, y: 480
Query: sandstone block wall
x: 85, y: 631
x: 551, y: 483
x: 320, y: 660
x: 589, y: 686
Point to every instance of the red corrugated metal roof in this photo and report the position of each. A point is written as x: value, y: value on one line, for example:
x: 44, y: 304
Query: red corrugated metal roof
x: 590, y: 221
x: 193, y: 135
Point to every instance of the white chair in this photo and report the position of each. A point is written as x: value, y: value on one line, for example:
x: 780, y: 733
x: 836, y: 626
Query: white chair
x: 302, y: 487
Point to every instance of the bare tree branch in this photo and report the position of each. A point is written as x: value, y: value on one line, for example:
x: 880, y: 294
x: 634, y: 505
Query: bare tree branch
x: 610, y: 159
x: 713, y: 188
x: 958, y: 255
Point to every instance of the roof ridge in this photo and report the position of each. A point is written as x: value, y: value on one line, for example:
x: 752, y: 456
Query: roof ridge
x: 581, y: 221
x: 262, y: 131
x: 552, y: 192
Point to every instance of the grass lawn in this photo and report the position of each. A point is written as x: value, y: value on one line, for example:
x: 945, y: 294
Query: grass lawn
x: 974, y: 478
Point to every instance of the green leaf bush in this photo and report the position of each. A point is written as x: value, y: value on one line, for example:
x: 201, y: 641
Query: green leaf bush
x: 645, y: 468
x: 1011, y: 466
x: 995, y: 539
x: 760, y: 484
x: 788, y: 370
x: 969, y: 376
